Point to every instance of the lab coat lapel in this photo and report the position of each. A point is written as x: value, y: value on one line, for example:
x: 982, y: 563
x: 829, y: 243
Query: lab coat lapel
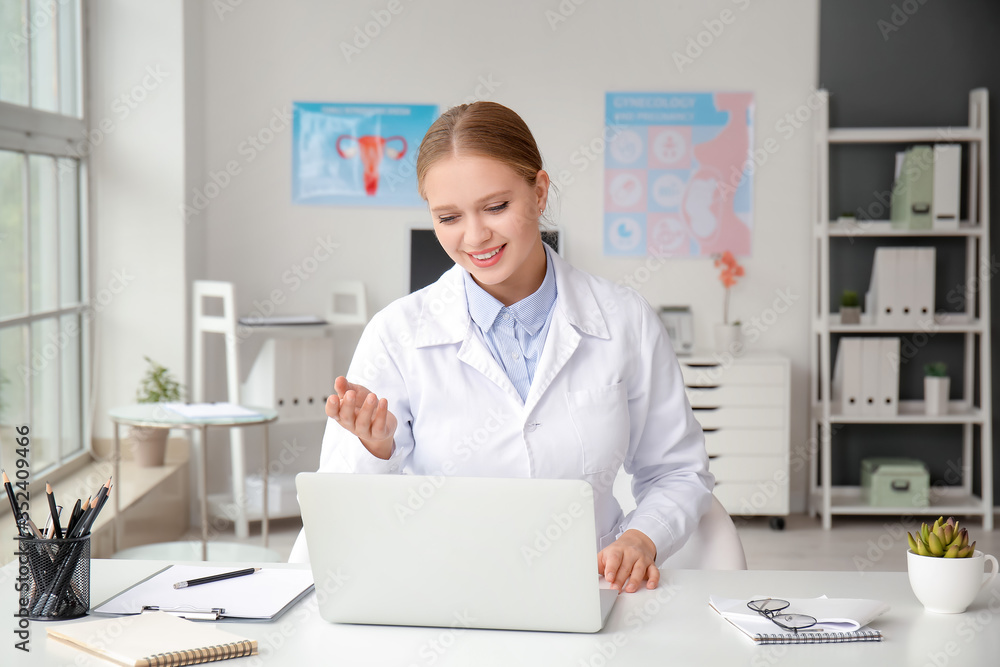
x: 560, y: 344
x: 475, y: 353
x: 444, y: 319
x: 576, y: 313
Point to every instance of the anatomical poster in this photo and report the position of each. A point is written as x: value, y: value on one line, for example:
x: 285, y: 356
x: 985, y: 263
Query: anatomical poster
x: 357, y: 154
x: 678, y: 174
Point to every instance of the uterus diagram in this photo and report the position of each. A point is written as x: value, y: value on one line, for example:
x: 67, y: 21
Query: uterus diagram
x: 371, y: 149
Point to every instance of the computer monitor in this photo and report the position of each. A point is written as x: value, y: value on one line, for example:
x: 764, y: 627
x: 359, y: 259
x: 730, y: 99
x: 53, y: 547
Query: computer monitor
x: 428, y: 260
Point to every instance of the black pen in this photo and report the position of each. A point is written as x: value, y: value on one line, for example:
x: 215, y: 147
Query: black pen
x: 10, y: 496
x: 74, y: 516
x: 216, y: 577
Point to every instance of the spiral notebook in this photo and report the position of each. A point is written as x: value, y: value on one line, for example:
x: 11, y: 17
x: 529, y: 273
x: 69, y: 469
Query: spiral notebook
x: 153, y: 639
x: 838, y: 620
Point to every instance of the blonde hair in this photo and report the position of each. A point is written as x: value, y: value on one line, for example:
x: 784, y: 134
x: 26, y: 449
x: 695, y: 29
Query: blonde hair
x: 482, y: 128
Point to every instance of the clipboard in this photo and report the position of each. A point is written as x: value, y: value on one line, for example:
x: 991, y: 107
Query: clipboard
x: 263, y: 596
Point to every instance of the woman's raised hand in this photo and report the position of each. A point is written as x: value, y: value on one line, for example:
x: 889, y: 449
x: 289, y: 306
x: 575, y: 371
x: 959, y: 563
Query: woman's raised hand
x: 363, y: 414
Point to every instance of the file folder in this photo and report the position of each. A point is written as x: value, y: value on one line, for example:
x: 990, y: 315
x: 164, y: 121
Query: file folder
x: 947, y: 181
x: 923, y: 284
x: 888, y: 381
x: 871, y: 352
x: 913, y: 190
x: 882, y: 299
x: 847, y: 377
x: 906, y: 274
x: 316, y: 376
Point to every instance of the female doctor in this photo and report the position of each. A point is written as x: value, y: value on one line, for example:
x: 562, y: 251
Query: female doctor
x: 516, y: 364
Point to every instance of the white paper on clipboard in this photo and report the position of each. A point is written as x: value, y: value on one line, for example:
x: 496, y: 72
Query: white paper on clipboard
x: 263, y: 595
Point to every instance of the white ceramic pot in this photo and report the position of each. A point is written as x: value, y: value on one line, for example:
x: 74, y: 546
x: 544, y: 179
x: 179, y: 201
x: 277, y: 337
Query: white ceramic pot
x: 936, y: 391
x: 727, y: 338
x: 948, y: 585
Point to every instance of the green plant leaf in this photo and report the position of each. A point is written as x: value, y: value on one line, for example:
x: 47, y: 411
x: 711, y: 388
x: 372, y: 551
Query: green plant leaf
x: 937, y: 369
x: 158, y: 385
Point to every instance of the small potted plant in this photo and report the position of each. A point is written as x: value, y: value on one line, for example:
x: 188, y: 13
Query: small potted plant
x: 945, y: 570
x: 149, y: 444
x: 727, y: 334
x: 937, y: 385
x: 850, y: 310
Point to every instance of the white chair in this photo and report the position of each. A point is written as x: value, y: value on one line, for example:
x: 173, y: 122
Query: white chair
x: 225, y: 325
x: 715, y: 544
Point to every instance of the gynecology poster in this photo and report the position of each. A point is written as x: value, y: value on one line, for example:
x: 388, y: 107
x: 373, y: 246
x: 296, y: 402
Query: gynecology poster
x: 357, y: 154
x: 676, y: 179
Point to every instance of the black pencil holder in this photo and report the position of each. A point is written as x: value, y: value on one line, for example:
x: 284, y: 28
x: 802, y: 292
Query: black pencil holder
x: 55, y: 578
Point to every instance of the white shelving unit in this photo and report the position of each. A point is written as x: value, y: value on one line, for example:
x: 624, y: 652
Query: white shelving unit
x: 973, y: 325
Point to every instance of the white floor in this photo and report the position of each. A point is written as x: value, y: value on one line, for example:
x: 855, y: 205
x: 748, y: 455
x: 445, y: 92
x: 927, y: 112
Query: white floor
x: 854, y: 543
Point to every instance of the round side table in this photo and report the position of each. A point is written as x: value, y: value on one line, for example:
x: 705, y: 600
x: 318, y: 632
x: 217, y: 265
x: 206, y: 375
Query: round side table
x: 155, y: 415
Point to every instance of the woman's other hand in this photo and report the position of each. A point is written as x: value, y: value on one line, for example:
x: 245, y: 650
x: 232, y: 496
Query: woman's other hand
x: 363, y: 414
x: 632, y: 558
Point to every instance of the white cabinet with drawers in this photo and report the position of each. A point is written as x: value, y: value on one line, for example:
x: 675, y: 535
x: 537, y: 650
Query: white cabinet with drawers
x: 743, y: 406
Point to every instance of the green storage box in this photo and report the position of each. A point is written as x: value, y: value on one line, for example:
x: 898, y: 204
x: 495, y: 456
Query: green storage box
x: 895, y: 482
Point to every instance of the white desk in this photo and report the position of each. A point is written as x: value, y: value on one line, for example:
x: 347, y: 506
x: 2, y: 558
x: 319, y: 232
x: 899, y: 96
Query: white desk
x: 670, y: 626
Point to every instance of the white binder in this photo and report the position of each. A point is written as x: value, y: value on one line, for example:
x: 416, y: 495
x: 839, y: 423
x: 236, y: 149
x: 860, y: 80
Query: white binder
x: 286, y: 369
x: 947, y: 181
x: 888, y: 380
x: 871, y: 351
x: 882, y: 299
x: 906, y: 275
x: 847, y: 377
x: 924, y: 284
x: 316, y: 362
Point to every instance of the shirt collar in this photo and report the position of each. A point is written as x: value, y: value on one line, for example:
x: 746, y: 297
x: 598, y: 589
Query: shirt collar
x: 530, y: 312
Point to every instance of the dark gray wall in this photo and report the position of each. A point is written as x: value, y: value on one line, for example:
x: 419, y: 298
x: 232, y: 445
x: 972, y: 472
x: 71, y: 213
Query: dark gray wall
x: 905, y: 63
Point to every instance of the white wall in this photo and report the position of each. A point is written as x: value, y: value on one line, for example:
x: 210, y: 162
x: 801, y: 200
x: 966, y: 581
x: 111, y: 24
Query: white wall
x: 136, y: 109
x: 260, y: 57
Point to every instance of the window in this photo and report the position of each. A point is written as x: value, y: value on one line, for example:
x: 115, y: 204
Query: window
x: 43, y: 308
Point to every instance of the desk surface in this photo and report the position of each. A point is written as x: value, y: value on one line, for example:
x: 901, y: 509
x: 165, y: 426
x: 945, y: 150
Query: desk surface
x: 670, y: 626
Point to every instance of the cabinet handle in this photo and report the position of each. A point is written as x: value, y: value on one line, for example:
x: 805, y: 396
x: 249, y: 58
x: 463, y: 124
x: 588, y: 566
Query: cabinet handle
x: 692, y: 364
x: 707, y: 409
x: 702, y: 386
x: 710, y: 429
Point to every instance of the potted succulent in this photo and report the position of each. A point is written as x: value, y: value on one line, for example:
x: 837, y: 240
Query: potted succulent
x: 850, y: 309
x: 945, y: 570
x: 149, y: 444
x: 937, y: 385
x: 727, y: 334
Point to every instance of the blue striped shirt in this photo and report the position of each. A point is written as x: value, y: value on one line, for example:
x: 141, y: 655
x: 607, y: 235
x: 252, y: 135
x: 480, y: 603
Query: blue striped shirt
x: 515, y: 334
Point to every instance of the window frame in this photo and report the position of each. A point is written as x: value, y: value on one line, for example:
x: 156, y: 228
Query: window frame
x: 27, y: 131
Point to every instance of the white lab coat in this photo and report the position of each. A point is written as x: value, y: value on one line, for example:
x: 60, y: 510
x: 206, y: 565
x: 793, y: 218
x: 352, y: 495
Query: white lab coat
x: 607, y: 391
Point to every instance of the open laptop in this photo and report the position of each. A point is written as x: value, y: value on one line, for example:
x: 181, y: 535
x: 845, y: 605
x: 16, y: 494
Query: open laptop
x: 510, y: 554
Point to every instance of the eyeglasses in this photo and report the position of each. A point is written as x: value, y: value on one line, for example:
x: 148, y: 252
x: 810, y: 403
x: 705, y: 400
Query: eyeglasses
x: 771, y: 609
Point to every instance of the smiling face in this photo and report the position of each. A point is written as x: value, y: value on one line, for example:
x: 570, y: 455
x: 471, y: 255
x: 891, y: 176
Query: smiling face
x: 486, y: 219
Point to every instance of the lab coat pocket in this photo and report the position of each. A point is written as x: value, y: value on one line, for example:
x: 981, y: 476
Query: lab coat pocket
x: 600, y: 417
